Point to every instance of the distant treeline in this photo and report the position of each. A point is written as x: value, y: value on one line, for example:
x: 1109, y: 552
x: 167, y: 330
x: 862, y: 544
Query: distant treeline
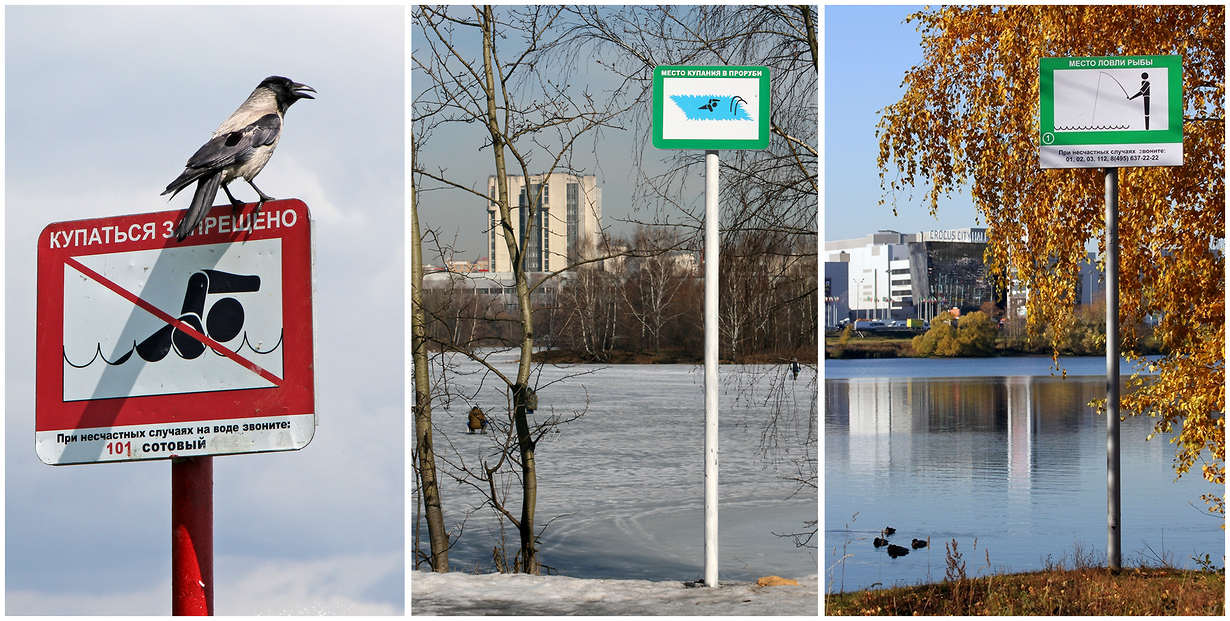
x: 644, y: 305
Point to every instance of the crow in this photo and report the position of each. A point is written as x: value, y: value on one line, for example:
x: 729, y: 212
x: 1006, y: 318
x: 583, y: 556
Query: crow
x: 239, y: 148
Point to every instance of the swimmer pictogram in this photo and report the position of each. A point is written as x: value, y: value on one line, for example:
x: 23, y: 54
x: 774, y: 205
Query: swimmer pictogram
x: 713, y: 107
x: 222, y: 322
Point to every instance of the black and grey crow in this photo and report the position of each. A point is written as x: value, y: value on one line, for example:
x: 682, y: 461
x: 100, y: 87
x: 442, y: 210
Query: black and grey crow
x: 239, y: 148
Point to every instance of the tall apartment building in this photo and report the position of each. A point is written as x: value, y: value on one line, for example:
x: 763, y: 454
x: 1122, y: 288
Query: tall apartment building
x: 569, y: 213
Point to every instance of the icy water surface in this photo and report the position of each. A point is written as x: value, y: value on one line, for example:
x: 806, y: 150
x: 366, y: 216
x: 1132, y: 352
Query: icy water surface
x: 1001, y: 451
x: 626, y: 479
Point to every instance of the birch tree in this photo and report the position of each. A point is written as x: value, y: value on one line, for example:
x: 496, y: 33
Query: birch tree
x: 427, y: 481
x: 969, y: 117
x: 482, y: 65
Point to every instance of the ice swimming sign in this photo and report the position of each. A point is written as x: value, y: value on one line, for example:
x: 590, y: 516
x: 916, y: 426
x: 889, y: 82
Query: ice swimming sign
x: 1119, y: 111
x: 150, y: 348
x: 710, y: 108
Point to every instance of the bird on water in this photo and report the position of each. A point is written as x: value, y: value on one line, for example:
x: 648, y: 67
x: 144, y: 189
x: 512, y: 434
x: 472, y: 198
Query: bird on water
x: 894, y: 551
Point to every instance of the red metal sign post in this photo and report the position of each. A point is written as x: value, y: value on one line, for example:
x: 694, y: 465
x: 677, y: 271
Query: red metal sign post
x: 152, y: 348
x: 192, y: 536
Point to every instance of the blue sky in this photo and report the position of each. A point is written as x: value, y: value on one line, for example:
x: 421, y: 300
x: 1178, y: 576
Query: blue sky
x: 461, y: 218
x: 103, y: 105
x: 867, y: 51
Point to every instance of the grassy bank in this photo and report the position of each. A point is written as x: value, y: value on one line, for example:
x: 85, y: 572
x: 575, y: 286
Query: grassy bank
x: 873, y: 345
x: 1084, y: 591
x: 899, y: 344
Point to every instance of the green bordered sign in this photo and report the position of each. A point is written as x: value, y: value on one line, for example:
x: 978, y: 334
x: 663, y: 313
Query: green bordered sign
x: 1111, y: 111
x: 710, y: 108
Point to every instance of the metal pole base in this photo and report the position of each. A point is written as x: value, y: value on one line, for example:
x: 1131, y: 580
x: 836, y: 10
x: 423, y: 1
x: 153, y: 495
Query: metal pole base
x: 192, y: 536
x: 1113, y: 533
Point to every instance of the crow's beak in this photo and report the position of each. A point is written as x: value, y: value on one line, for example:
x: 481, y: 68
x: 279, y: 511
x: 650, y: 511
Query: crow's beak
x: 300, y: 90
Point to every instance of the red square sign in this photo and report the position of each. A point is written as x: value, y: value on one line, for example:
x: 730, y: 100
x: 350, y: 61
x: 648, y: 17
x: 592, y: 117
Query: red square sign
x: 151, y: 348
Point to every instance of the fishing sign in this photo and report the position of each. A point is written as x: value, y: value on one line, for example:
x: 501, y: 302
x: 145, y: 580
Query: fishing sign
x: 150, y: 348
x: 1111, y: 111
x: 710, y: 108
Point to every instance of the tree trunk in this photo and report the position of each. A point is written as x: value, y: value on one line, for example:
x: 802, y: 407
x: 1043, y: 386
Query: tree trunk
x: 529, y: 483
x: 428, y: 484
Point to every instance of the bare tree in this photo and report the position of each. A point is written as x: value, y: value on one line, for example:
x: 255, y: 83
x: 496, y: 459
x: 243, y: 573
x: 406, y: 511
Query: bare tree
x: 591, y: 302
x: 656, y: 273
x: 773, y: 190
x: 769, y: 199
x: 427, y: 484
x: 524, y: 107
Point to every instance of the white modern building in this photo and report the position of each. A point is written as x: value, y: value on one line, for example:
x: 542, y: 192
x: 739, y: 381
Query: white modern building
x: 892, y: 276
x: 877, y: 273
x: 569, y: 214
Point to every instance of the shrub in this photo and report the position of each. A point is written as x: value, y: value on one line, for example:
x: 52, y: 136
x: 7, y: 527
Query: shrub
x: 972, y: 335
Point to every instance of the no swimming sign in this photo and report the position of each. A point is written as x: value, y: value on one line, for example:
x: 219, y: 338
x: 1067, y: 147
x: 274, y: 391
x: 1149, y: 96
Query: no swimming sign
x: 150, y: 348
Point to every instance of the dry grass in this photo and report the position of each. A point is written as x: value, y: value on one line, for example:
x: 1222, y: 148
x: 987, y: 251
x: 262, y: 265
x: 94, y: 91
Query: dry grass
x: 1084, y: 591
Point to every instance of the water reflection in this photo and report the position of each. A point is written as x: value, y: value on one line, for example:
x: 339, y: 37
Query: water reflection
x: 955, y: 414
x: 1017, y: 461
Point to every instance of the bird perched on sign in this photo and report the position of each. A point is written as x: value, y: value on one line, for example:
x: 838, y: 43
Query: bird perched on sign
x: 240, y: 147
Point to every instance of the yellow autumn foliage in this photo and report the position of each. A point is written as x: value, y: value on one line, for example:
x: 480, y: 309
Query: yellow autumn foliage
x: 969, y: 119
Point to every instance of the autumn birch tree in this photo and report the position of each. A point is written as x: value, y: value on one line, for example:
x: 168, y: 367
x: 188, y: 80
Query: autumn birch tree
x: 969, y: 119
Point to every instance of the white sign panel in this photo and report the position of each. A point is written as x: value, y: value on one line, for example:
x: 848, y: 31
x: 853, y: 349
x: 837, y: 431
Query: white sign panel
x: 109, y: 351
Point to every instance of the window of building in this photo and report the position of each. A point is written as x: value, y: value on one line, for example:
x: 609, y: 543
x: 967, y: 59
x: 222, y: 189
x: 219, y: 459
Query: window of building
x: 572, y: 201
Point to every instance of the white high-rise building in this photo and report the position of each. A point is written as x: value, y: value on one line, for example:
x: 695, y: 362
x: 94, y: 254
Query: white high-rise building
x: 570, y: 214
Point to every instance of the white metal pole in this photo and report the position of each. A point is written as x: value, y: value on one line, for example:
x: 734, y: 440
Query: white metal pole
x: 711, y: 368
x: 1113, y: 534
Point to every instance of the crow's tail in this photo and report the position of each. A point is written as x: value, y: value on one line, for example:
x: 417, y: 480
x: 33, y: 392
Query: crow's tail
x: 202, y: 200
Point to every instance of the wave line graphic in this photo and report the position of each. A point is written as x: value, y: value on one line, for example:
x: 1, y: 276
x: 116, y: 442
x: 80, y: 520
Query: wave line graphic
x: 128, y: 355
x: 1081, y: 128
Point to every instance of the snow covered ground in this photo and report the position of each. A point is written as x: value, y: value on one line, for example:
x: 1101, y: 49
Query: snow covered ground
x: 515, y: 594
x: 622, y: 487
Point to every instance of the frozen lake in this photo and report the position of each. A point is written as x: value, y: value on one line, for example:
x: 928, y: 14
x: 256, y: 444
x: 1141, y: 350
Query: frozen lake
x: 626, y: 479
x: 994, y: 449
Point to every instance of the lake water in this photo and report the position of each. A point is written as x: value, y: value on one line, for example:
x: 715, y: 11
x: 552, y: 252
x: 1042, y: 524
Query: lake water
x: 626, y: 479
x: 996, y: 449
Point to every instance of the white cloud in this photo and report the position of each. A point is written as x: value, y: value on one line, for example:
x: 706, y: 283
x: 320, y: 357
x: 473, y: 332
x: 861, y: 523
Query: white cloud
x: 326, y: 586
x: 155, y: 600
x: 246, y: 586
